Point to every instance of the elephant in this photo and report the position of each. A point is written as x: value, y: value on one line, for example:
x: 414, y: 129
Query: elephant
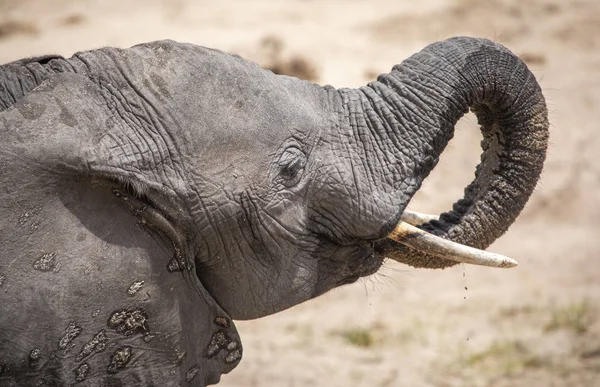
x: 149, y: 196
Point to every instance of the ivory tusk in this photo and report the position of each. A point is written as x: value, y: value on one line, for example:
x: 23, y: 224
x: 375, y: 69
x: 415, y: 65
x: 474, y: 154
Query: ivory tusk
x: 425, y: 242
x: 417, y: 218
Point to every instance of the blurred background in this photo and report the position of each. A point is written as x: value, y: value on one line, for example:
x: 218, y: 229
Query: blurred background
x: 466, y: 326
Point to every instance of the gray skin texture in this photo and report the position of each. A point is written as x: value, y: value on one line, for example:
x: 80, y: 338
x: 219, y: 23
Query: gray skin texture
x: 148, y: 196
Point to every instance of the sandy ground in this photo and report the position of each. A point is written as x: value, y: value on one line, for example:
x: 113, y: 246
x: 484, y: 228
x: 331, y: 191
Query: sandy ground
x: 467, y: 326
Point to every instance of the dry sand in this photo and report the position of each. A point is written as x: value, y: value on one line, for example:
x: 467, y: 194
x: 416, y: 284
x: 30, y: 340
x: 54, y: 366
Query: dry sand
x: 538, y: 324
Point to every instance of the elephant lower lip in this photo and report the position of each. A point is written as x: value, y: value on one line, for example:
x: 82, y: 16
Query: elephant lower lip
x: 368, y: 264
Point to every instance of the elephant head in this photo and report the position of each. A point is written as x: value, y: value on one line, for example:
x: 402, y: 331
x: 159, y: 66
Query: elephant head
x: 296, y: 187
x: 265, y: 190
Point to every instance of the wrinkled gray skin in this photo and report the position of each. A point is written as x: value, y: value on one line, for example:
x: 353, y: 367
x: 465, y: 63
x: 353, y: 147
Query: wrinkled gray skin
x: 150, y: 195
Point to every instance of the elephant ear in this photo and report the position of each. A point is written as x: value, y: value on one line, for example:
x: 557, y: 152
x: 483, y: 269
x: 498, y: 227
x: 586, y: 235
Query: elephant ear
x: 89, y: 290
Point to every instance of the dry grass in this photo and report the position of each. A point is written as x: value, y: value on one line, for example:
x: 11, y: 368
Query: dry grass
x: 576, y: 317
x: 359, y: 337
x: 504, y: 357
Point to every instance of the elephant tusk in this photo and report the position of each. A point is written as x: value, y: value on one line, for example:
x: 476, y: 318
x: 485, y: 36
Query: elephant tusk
x: 425, y: 242
x: 417, y: 218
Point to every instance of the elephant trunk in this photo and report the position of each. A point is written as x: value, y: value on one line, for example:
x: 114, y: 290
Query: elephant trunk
x: 426, y: 95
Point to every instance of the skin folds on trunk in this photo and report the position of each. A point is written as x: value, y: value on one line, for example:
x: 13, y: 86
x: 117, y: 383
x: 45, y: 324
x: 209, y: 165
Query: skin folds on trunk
x: 421, y: 100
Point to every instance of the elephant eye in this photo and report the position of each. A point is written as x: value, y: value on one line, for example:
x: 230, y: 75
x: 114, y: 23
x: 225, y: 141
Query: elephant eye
x: 291, y: 166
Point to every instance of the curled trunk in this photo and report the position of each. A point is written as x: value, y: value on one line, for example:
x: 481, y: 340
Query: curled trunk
x: 441, y: 83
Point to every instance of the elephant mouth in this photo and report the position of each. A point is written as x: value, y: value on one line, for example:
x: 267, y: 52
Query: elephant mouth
x: 408, y: 233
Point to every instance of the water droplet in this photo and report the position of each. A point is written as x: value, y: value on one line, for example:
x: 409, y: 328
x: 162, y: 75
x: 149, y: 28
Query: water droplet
x: 81, y: 372
x: 129, y: 321
x: 233, y: 356
x: 29, y: 214
x: 232, y: 345
x: 174, y: 266
x: 219, y: 340
x: 180, y: 356
x: 35, y: 356
x: 34, y: 226
x: 97, y: 344
x: 222, y: 321
x: 135, y: 287
x: 212, y: 350
x: 189, y: 376
x: 119, y: 359
x: 46, y: 262
x: 71, y: 332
